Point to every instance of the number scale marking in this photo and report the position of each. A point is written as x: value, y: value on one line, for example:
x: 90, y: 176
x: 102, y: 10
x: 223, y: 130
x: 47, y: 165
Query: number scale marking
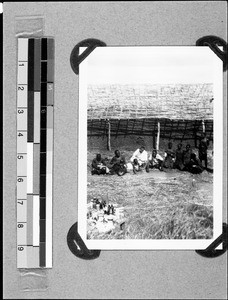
x: 22, y: 101
x: 35, y: 76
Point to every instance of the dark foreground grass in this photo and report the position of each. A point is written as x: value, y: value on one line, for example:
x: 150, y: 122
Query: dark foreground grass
x: 157, y: 205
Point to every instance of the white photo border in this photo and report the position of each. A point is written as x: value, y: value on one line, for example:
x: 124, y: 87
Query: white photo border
x: 153, y: 244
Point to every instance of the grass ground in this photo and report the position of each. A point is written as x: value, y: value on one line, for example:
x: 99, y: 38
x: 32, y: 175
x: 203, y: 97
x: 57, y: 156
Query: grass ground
x: 157, y: 205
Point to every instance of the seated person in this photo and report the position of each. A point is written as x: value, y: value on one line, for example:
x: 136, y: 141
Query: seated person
x: 155, y: 160
x: 203, y: 146
x: 132, y: 166
x: 187, y: 156
x: 117, y: 162
x: 140, y: 158
x: 169, y: 156
x: 98, y: 166
x: 178, y: 164
x: 194, y: 166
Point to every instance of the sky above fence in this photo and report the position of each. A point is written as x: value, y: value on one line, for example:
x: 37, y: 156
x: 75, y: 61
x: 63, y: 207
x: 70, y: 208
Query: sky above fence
x: 157, y: 65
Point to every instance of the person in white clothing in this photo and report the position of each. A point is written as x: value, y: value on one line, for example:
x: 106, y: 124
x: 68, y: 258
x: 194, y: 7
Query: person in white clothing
x: 140, y: 158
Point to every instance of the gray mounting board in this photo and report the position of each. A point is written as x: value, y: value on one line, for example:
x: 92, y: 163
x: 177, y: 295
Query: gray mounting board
x: 115, y: 274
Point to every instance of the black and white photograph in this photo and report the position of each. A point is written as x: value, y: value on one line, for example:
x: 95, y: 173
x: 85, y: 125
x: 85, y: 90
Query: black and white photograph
x: 150, y: 136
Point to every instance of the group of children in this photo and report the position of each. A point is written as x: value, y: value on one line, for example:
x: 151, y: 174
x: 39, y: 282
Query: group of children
x: 184, y: 160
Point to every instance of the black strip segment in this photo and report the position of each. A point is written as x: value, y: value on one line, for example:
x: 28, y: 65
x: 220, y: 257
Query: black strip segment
x: 43, y: 118
x: 43, y: 71
x: 42, y: 254
x: 43, y: 135
x: 43, y: 163
x: 30, y: 110
x: 42, y: 208
x: 30, y: 115
x: 31, y: 65
x: 43, y: 186
x: 44, y: 49
x: 43, y: 94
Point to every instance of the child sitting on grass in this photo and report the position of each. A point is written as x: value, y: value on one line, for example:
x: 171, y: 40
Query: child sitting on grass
x: 98, y: 166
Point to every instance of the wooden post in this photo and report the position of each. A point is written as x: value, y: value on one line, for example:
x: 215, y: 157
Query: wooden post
x: 158, y: 137
x: 195, y: 135
x: 203, y: 124
x: 109, y: 135
x: 154, y: 139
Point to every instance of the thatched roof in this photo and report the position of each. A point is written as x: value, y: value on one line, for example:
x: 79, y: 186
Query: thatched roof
x: 173, y: 101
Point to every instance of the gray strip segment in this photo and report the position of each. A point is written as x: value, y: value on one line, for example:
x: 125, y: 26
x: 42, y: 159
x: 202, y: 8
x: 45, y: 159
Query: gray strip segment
x: 50, y: 60
x: 50, y: 48
x: 33, y: 257
x: 50, y: 94
x: 50, y: 70
x: 37, y: 64
x: 36, y: 257
x: 36, y: 169
x: 42, y: 255
x: 37, y: 117
x: 49, y: 116
x: 49, y: 146
x: 29, y: 219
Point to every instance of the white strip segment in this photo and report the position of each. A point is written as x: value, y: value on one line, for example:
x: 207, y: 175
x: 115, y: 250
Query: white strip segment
x: 22, y: 119
x: 21, y: 233
x: 49, y: 167
x: 22, y: 78
x: 22, y: 74
x: 29, y: 168
x: 22, y: 49
x: 21, y: 256
x: 49, y: 218
x: 22, y: 92
x: 36, y: 220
